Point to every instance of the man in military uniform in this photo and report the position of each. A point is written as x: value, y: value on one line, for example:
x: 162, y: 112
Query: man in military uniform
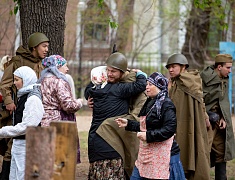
x: 37, y: 50
x: 215, y: 93
x: 185, y: 90
x: 109, y: 146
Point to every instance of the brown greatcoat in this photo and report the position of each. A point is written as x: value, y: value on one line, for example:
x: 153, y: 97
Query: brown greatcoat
x: 124, y: 142
x: 23, y: 58
x: 191, y: 133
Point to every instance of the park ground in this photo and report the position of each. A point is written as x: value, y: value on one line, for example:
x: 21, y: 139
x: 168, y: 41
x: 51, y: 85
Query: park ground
x: 83, y: 124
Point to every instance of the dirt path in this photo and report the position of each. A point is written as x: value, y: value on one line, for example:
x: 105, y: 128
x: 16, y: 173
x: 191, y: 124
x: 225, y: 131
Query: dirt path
x: 83, y: 123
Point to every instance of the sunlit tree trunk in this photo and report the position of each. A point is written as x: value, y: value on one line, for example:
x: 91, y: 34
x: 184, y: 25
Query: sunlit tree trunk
x: 46, y: 16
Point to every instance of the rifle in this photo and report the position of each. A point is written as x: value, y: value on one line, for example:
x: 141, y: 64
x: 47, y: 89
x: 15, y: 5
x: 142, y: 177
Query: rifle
x: 114, y: 48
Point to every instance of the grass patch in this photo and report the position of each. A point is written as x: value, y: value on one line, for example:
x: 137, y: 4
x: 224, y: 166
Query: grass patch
x: 230, y: 171
x: 83, y: 136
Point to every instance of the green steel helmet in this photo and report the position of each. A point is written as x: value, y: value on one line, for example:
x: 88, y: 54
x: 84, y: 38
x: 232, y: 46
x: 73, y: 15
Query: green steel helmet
x: 36, y: 38
x: 117, y: 60
x: 177, y: 59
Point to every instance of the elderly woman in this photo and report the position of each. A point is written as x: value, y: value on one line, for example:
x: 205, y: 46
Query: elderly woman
x: 29, y: 112
x: 58, y: 100
x: 57, y: 97
x: 158, y: 156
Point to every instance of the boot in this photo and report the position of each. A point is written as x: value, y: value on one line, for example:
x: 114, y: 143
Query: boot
x: 4, y: 175
x: 220, y: 171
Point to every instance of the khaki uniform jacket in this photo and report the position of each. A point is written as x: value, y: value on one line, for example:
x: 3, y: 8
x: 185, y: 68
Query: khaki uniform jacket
x: 191, y: 134
x: 124, y: 142
x: 23, y: 58
x: 215, y: 91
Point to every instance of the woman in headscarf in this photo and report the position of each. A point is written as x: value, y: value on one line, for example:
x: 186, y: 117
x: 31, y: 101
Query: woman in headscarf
x: 3, y: 63
x: 29, y: 112
x: 57, y: 97
x: 158, y: 156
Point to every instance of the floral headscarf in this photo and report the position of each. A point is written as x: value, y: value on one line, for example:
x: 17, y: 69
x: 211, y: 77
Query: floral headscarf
x: 99, y: 76
x: 161, y: 82
x: 54, y: 60
x: 52, y: 64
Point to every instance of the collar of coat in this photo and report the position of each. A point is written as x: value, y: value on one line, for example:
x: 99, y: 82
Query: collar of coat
x: 190, y: 82
x: 210, y: 76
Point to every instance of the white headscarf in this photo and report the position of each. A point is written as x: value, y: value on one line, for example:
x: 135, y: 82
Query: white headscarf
x: 29, y: 78
x: 99, y: 76
x: 4, y: 60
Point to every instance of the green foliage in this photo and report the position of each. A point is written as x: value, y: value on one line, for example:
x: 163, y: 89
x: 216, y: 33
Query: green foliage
x: 218, y: 12
x: 112, y: 24
x: 16, y: 7
x: 100, y: 3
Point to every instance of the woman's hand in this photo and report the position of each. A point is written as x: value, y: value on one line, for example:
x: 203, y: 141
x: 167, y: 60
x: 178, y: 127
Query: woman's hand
x: 121, y: 122
x: 141, y: 136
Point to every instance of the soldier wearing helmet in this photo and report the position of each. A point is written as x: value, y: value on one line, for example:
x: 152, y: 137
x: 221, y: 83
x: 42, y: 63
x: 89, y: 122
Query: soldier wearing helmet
x: 116, y: 67
x: 185, y: 90
x: 32, y: 56
x: 109, y: 147
x: 176, y: 64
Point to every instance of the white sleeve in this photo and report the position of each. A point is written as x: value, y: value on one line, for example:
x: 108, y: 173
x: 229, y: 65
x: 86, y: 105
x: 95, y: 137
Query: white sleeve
x: 32, y: 116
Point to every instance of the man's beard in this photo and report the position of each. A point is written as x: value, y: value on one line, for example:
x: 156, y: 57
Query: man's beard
x: 114, y: 80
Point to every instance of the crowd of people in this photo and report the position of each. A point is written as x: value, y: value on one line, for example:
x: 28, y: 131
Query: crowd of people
x: 35, y: 92
x: 143, y: 127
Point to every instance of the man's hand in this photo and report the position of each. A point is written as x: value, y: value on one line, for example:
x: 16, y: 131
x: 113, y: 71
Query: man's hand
x: 141, y: 136
x: 121, y: 122
x: 90, y: 102
x: 136, y: 70
x: 11, y: 107
x: 222, y: 124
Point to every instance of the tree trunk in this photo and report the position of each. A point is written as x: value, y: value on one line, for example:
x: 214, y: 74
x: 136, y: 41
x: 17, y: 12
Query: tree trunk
x: 46, y: 16
x: 125, y: 22
x: 40, y: 152
x: 197, y: 28
x: 66, y: 150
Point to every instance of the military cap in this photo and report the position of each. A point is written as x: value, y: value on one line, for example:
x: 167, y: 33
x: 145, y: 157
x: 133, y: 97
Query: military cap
x: 223, y: 58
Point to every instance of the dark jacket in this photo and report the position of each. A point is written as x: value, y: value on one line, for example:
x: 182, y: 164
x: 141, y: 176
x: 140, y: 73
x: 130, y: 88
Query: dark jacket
x: 110, y: 101
x: 158, y: 130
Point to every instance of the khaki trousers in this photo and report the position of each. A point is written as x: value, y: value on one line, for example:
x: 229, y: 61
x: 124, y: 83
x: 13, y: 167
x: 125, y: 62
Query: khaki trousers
x: 217, y: 138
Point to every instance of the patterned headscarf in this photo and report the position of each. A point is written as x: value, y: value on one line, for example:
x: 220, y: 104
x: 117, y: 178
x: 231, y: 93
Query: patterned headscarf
x: 52, y: 64
x: 161, y: 82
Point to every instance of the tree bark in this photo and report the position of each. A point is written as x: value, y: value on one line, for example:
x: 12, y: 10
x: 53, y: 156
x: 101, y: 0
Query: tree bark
x: 197, y: 28
x: 44, y: 16
x: 66, y: 150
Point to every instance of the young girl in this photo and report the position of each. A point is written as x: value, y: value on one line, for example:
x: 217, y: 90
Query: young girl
x: 29, y: 112
x: 158, y: 156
